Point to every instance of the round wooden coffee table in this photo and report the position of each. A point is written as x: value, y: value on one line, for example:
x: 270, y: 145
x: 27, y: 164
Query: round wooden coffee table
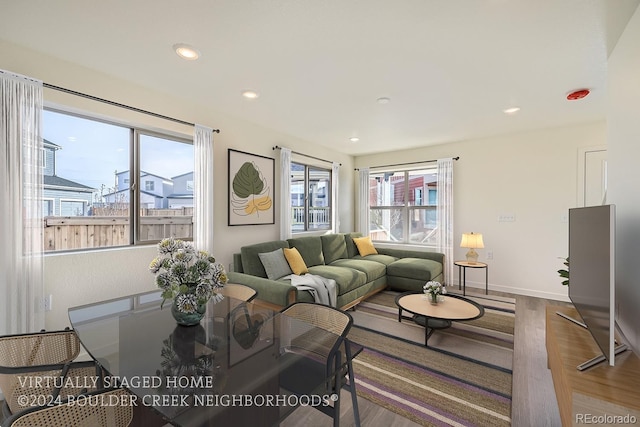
x: 439, y: 316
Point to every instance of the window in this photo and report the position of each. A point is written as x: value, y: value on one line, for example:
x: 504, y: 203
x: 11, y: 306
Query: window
x: 88, y: 200
x: 399, y: 210
x: 310, y: 198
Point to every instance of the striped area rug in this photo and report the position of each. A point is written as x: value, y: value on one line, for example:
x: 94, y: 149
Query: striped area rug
x: 462, y: 379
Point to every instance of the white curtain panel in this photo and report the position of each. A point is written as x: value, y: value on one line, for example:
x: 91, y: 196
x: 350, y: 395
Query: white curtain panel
x: 285, y: 191
x: 21, y: 227
x: 203, y: 187
x: 445, y: 216
x: 363, y: 202
x: 335, y: 195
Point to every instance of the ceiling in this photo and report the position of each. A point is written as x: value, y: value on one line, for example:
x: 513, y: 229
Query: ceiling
x: 449, y: 67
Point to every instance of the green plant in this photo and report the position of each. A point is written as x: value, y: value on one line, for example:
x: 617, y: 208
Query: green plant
x: 565, y: 273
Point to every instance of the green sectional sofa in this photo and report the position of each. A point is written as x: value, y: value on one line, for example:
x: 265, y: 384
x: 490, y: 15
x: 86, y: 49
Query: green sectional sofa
x: 335, y: 256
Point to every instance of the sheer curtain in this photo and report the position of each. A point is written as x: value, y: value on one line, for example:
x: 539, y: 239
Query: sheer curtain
x: 285, y: 191
x: 203, y: 189
x: 335, y: 195
x: 363, y: 201
x: 21, y: 266
x: 445, y: 216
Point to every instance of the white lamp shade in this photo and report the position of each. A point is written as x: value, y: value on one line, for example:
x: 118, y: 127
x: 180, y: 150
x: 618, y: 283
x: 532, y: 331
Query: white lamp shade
x: 472, y: 240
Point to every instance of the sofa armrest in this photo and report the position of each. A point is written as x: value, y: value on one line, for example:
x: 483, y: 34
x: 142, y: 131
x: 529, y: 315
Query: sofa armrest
x: 406, y: 253
x: 272, y: 291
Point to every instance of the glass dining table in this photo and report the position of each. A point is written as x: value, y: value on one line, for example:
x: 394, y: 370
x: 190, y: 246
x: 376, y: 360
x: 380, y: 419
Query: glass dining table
x: 224, y: 371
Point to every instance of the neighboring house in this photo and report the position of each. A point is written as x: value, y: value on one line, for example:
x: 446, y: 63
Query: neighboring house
x: 62, y: 197
x: 182, y: 196
x: 156, y: 192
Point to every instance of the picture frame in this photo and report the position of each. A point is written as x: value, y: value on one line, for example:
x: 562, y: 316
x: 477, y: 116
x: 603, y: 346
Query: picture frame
x: 251, y: 189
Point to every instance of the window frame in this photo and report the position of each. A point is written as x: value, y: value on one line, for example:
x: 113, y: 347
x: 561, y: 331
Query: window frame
x: 306, y: 202
x: 135, y: 132
x: 407, y: 209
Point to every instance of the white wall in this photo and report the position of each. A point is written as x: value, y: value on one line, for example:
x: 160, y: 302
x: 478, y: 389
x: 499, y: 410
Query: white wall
x: 531, y: 175
x: 624, y: 174
x: 80, y: 278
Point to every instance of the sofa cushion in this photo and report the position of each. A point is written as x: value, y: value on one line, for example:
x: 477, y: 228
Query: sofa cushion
x: 310, y: 247
x: 373, y: 270
x: 346, y: 278
x: 352, y: 250
x: 275, y: 264
x: 415, y: 268
x: 382, y: 259
x: 295, y: 261
x: 251, y: 263
x: 365, y: 246
x: 334, y: 247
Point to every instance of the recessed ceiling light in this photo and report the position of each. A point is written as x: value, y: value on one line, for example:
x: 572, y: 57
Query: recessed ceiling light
x: 511, y: 110
x: 187, y: 52
x: 383, y: 100
x: 354, y: 139
x: 250, y: 94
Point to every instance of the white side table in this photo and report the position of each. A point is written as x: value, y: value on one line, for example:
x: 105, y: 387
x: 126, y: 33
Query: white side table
x: 462, y: 274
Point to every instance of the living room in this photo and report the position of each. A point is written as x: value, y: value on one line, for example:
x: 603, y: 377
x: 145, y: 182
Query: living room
x: 532, y: 175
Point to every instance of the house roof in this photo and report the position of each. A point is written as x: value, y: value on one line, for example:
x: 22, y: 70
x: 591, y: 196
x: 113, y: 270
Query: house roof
x: 56, y: 181
x: 447, y: 68
x: 181, y: 175
x: 50, y: 144
x: 127, y: 189
x: 145, y: 173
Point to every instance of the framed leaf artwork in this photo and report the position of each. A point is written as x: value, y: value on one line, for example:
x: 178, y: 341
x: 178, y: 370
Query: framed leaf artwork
x: 251, y: 189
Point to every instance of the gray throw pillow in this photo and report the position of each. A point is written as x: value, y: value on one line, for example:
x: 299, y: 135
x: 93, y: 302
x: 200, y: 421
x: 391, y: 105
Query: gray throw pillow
x: 275, y: 264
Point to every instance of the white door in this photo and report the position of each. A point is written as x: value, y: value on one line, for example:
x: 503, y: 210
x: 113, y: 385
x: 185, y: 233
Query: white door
x: 592, y: 176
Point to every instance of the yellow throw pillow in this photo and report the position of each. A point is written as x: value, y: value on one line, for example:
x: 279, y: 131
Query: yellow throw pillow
x: 298, y: 267
x: 365, y: 246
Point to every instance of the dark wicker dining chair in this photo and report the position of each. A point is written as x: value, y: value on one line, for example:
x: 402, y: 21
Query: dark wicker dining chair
x: 317, y: 357
x: 35, y: 365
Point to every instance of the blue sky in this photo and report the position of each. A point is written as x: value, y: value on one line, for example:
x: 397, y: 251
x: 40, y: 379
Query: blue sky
x: 92, y: 151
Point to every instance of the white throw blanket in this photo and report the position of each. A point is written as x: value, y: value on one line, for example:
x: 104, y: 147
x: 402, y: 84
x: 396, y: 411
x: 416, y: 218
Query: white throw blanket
x: 324, y: 290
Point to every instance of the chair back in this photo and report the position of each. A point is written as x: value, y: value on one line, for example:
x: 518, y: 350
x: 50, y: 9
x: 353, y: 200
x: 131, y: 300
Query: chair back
x: 28, y: 362
x: 321, y: 316
x: 37, y: 349
x: 239, y: 292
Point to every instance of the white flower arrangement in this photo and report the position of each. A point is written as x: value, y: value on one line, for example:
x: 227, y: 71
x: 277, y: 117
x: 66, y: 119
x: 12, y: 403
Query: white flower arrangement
x: 189, y: 276
x: 434, y: 289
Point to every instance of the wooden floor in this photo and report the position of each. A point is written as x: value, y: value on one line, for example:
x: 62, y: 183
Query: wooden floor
x: 533, y: 396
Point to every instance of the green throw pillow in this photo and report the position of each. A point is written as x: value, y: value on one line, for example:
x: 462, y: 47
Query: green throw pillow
x: 275, y: 264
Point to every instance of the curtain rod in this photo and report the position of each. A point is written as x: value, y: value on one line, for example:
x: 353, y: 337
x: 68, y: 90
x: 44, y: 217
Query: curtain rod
x: 117, y: 104
x: 306, y: 155
x: 408, y: 163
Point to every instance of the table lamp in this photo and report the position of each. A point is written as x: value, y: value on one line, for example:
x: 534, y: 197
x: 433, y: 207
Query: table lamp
x: 472, y: 241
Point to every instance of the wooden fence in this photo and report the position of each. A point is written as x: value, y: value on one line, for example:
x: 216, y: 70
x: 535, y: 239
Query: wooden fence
x: 83, y: 232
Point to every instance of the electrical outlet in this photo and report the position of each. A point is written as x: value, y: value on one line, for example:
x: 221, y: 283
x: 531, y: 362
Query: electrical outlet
x: 507, y: 217
x: 489, y: 254
x: 48, y: 302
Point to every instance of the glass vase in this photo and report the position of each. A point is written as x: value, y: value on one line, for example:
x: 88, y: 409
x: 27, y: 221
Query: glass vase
x: 433, y: 299
x: 188, y: 319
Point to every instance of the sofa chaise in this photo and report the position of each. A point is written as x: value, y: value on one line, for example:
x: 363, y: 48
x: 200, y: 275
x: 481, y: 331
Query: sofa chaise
x: 337, y: 257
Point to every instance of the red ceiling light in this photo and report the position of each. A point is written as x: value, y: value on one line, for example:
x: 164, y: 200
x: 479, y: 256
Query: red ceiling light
x: 578, y: 94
